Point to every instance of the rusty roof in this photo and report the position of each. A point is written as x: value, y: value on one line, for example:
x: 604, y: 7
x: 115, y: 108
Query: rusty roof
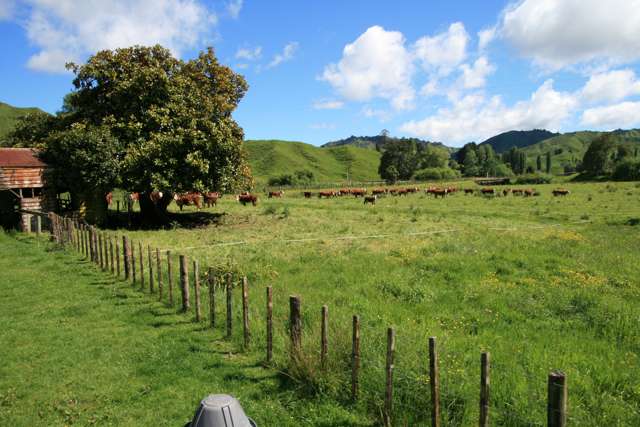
x: 19, y: 157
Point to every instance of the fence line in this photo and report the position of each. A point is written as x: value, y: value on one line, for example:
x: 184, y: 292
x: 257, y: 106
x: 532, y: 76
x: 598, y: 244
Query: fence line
x: 95, y: 246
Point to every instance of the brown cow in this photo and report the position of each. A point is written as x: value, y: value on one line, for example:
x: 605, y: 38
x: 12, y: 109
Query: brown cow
x: 155, y: 196
x: 529, y: 192
x: 187, y: 199
x: 109, y: 198
x: 506, y: 191
x: 412, y: 189
x: 560, y: 192
x: 211, y: 198
x: 379, y: 191
x: 518, y: 191
x: 469, y: 191
x: 488, y: 191
x: 344, y: 191
x: 370, y: 199
x: 247, y: 198
x: 277, y: 194
x: 326, y: 194
x: 308, y: 194
x: 134, y: 197
x: 442, y: 192
x: 358, y: 192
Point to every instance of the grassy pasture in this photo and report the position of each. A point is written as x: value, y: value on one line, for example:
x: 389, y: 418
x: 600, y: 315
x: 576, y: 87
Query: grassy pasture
x: 542, y: 283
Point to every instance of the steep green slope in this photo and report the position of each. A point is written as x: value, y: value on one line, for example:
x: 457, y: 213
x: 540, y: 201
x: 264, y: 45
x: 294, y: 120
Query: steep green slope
x: 270, y: 158
x: 9, y: 115
x: 569, y: 148
x: 517, y: 138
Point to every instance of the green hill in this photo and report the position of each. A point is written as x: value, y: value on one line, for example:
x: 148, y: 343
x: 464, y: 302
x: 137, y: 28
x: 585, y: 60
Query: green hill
x: 569, y: 148
x: 371, y: 142
x: 9, y: 115
x: 517, y: 138
x: 271, y: 158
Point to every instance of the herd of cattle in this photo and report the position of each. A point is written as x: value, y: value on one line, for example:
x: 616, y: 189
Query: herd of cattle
x: 211, y: 198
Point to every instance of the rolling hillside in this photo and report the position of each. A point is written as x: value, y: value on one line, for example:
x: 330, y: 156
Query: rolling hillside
x: 371, y: 142
x: 270, y: 158
x: 568, y: 148
x: 517, y: 138
x: 9, y: 115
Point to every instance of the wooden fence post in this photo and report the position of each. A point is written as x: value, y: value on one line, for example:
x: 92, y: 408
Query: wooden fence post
x: 117, y: 257
x: 103, y: 252
x: 170, y: 278
x: 388, y: 397
x: 126, y: 261
x: 196, y: 287
x: 140, y: 253
x: 132, y: 257
x: 484, y: 389
x: 184, y: 283
x: 269, y: 324
x: 434, y: 379
x: 557, y: 400
x: 324, y: 341
x: 295, y: 327
x: 212, y: 298
x: 113, y: 267
x: 151, y: 277
x: 229, y: 302
x: 38, y: 225
x: 355, y: 359
x: 245, y: 312
x: 159, y: 268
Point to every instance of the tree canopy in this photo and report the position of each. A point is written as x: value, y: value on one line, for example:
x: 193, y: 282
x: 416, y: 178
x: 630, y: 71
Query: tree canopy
x: 154, y: 121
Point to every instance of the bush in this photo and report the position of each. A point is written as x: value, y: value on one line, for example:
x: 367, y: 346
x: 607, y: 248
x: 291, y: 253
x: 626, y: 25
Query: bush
x: 534, y: 178
x: 428, y: 174
x: 627, y: 170
x: 302, y: 177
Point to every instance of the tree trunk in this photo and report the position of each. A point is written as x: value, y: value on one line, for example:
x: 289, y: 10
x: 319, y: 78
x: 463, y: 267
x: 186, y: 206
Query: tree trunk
x: 154, y: 213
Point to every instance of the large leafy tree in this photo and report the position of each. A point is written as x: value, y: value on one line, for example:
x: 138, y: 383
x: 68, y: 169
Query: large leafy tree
x: 598, y: 157
x: 402, y: 155
x: 167, y: 124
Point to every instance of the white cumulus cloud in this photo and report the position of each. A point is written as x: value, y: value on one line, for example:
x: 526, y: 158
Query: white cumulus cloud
x: 7, y: 9
x: 375, y: 65
x: 287, y: 54
x: 443, y: 52
x: 623, y: 115
x: 66, y: 30
x: 611, y: 86
x: 475, y: 76
x: 473, y: 117
x: 559, y: 33
x: 485, y: 37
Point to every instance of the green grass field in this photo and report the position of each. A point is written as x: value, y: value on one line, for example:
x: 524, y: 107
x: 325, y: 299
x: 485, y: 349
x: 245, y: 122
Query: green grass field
x: 269, y: 158
x: 542, y: 283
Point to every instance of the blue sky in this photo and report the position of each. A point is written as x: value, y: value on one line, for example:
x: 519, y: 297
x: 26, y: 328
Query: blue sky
x: 450, y: 71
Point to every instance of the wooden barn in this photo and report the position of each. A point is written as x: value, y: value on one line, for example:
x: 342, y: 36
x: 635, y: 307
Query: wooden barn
x: 22, y: 188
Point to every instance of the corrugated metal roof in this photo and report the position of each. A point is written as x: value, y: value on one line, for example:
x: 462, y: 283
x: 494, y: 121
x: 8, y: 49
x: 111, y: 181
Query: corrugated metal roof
x: 19, y: 157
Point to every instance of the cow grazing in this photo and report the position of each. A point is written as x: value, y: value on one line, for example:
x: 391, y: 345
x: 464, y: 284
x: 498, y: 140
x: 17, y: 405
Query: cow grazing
x: 187, y: 199
x: 440, y: 192
x: 344, y: 192
x: 370, y: 199
x: 469, y: 191
x: 529, y: 192
x: 451, y: 190
x: 518, y: 191
x: 412, y: 190
x: 488, y: 191
x: 560, y: 192
x: 247, y: 198
x: 379, y: 191
x: 358, y: 192
x: 109, y: 198
x: 326, y: 194
x: 506, y: 192
x: 307, y: 194
x: 277, y: 194
x: 211, y: 198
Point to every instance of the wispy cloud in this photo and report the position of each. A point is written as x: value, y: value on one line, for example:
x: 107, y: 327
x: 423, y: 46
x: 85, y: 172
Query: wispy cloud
x: 234, y: 7
x: 249, y: 54
x: 287, y: 54
x: 328, y: 104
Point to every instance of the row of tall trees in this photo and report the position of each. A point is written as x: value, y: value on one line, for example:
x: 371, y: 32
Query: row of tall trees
x: 401, y: 158
x: 142, y: 120
x: 606, y: 158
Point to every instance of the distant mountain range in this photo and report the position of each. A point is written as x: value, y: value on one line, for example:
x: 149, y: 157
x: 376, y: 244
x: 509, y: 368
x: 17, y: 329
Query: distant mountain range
x: 9, y: 115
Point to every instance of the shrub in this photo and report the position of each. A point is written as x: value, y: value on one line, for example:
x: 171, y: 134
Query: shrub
x: 534, y: 178
x: 301, y: 177
x: 428, y: 174
x: 627, y: 170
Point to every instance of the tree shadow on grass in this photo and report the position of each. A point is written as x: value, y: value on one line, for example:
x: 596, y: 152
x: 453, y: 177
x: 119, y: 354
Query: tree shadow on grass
x: 188, y: 220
